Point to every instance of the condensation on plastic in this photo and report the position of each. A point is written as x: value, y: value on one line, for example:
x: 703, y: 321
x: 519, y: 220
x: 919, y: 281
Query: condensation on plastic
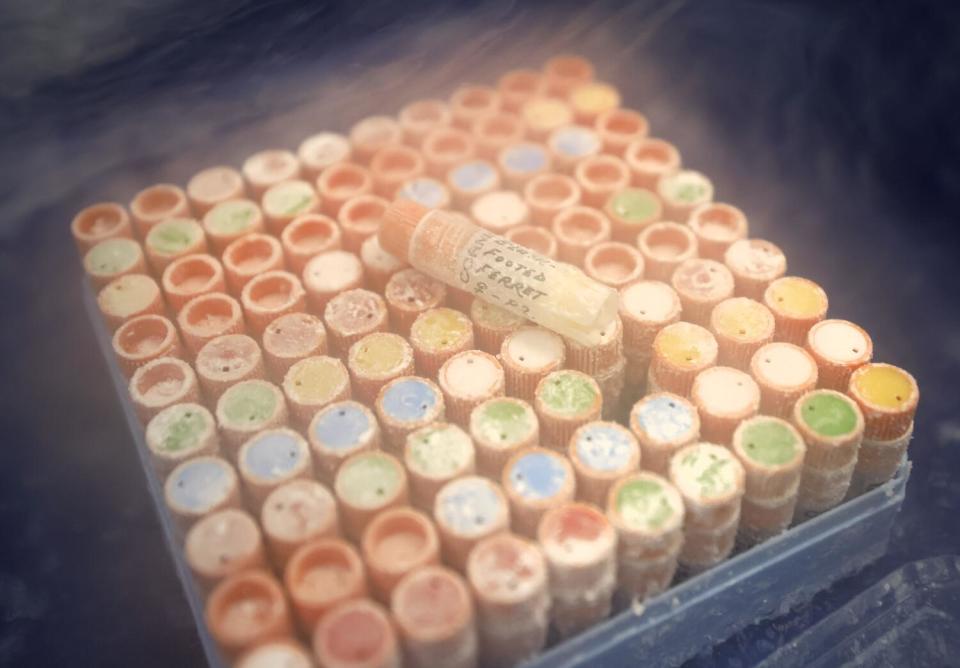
x: 684, y: 621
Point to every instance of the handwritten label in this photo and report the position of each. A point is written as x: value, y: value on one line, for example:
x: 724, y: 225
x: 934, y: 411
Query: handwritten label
x: 504, y: 273
x: 553, y: 294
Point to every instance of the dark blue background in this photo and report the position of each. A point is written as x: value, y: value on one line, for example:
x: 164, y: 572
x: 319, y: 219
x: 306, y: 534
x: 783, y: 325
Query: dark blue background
x: 833, y: 125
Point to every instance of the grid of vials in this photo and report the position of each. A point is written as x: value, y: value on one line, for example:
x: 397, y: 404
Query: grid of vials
x: 371, y: 468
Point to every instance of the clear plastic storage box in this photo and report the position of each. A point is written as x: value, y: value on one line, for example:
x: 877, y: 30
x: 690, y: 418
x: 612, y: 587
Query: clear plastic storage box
x: 689, y: 618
